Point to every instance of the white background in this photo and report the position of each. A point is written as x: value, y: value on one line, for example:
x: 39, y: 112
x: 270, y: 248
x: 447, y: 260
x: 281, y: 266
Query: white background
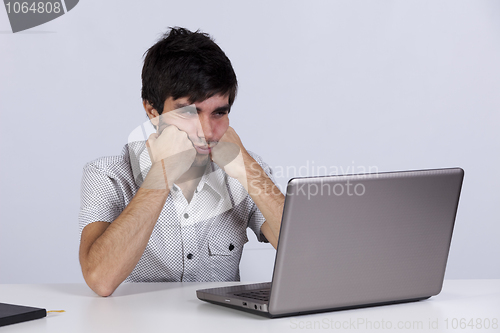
x: 346, y: 85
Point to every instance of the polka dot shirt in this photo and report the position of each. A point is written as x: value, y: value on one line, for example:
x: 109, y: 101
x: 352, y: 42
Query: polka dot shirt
x: 197, y: 241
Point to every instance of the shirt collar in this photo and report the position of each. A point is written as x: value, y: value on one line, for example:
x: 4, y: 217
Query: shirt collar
x: 213, y: 177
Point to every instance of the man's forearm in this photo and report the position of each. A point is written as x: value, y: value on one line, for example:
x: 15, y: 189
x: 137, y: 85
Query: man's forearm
x: 115, y: 253
x: 266, y: 196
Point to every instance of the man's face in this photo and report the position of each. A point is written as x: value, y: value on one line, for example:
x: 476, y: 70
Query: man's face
x: 205, y: 123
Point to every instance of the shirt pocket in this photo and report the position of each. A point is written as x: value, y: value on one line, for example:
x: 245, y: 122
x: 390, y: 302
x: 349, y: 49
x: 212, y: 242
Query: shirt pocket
x: 224, y: 252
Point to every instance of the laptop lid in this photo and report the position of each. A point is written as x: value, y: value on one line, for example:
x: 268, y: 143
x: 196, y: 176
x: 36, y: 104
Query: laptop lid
x: 354, y: 240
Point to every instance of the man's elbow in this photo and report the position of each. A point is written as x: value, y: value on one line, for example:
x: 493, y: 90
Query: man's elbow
x: 103, y: 291
x: 102, y: 286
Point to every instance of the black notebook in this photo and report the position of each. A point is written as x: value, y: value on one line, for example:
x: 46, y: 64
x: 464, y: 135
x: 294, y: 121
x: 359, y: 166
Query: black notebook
x: 11, y: 314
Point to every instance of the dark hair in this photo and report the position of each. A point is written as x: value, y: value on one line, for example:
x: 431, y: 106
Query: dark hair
x: 186, y: 64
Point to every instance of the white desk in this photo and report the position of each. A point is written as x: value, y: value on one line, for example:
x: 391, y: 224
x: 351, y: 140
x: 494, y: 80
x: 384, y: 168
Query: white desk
x: 173, y: 307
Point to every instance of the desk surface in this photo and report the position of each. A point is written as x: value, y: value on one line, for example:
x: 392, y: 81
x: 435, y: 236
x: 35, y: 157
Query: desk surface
x: 172, y: 307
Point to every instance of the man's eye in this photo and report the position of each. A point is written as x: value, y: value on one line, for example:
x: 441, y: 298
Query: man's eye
x: 191, y: 112
x: 220, y: 113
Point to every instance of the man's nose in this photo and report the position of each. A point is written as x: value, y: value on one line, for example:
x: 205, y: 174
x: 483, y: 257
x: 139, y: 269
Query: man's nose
x: 204, y: 130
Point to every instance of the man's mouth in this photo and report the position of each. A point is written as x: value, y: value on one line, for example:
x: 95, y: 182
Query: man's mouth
x: 204, y: 150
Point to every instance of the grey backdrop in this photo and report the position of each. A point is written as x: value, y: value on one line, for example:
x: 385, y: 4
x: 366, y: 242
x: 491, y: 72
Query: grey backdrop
x: 335, y: 85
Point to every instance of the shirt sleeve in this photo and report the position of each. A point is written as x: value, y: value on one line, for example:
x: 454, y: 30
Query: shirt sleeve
x: 256, y: 219
x: 100, y: 198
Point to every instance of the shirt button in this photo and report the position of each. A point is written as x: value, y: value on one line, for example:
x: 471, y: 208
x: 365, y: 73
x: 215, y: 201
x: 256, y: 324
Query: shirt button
x: 190, y: 256
x: 186, y: 215
x: 231, y: 247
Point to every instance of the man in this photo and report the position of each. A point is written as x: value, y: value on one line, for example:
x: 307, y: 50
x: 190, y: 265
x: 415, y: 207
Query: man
x: 180, y: 211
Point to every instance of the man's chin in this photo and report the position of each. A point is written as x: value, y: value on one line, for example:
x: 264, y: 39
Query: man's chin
x: 201, y: 159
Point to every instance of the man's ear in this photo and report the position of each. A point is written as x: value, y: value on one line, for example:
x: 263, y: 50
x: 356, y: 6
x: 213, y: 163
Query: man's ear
x: 153, y: 115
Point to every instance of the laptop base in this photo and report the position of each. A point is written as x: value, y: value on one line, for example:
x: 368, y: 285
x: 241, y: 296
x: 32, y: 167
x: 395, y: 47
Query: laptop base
x: 268, y: 315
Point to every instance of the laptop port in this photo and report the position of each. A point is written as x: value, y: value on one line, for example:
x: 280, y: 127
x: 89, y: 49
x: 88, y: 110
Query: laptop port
x: 255, y: 306
x: 245, y: 304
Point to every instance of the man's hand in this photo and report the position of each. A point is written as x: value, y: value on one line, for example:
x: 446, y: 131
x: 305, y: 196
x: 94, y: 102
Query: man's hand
x: 173, y: 150
x: 228, y: 155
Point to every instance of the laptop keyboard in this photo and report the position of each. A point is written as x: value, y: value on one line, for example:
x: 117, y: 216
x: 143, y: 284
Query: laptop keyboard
x: 261, y: 295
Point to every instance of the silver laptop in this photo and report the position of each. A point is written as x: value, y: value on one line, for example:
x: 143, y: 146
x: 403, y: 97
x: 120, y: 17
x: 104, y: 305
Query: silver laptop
x: 355, y: 241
